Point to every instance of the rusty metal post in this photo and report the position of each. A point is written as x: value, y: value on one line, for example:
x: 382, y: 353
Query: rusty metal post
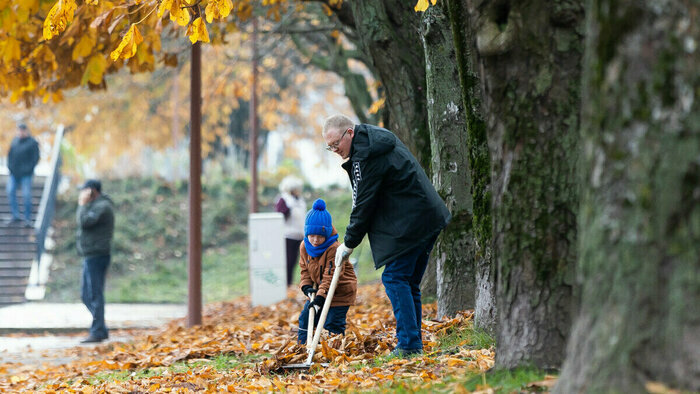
x: 253, y: 141
x: 194, y: 245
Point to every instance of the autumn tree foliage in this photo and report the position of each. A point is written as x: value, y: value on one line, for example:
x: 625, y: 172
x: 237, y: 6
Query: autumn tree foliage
x: 51, y: 46
x: 159, y: 119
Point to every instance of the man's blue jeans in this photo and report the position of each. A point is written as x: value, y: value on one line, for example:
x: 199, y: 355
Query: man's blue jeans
x: 92, y: 292
x: 401, y: 278
x: 25, y: 183
x: 335, y: 321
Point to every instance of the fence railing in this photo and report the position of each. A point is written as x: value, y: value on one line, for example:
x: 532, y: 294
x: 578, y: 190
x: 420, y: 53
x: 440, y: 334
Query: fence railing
x: 47, y: 205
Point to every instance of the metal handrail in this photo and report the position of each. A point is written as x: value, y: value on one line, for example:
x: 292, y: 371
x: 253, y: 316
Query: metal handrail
x: 48, y: 196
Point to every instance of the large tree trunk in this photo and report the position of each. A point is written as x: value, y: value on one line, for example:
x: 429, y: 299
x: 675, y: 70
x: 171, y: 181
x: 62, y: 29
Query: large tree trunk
x: 530, y: 57
x: 455, y: 249
x: 640, y: 211
x: 428, y: 285
x: 388, y: 32
x: 479, y: 162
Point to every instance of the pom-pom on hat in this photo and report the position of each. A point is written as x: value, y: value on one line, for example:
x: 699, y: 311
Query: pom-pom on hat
x: 318, y: 220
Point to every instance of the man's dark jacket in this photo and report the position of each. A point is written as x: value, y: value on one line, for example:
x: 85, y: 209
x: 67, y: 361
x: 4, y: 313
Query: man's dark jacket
x: 95, y: 227
x: 393, y: 201
x: 23, y: 156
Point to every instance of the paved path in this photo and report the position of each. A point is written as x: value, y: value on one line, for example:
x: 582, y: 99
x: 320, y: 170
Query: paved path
x: 51, y: 326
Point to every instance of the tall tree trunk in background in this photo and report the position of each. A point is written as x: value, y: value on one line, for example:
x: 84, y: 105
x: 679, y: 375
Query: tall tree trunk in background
x: 388, y: 31
x: 455, y: 249
x: 640, y: 211
x: 479, y: 161
x: 530, y: 56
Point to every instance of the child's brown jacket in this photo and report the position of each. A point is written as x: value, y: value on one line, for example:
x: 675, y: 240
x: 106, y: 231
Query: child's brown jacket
x: 318, y: 272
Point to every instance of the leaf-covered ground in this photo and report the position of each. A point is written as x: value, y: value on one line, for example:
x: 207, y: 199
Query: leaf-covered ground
x: 240, y: 348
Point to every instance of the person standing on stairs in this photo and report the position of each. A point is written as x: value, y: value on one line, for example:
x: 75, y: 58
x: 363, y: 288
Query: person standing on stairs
x: 21, y: 160
x: 95, y: 218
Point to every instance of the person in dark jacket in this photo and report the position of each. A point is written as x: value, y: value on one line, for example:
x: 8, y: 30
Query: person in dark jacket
x: 396, y: 205
x: 95, y: 218
x: 21, y: 160
x: 317, y: 266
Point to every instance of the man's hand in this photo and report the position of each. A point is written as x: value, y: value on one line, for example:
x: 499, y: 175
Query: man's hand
x: 84, y: 196
x: 308, y: 290
x: 342, y: 253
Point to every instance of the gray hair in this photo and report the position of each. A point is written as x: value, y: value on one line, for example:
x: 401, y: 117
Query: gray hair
x: 337, y: 122
x: 290, y: 183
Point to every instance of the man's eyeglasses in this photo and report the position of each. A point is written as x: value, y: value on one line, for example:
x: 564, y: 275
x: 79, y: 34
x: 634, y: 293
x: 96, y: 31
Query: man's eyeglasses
x: 334, y: 145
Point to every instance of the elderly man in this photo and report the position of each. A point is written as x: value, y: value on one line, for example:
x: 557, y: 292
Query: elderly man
x: 21, y: 160
x: 394, y: 202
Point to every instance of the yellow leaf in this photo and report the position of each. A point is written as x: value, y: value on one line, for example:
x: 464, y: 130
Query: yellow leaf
x: 197, y: 31
x: 95, y: 70
x: 376, y: 106
x: 421, y: 6
x: 84, y: 47
x: 11, y: 50
x: 218, y: 9
x: 127, y: 47
x: 164, y: 5
x: 60, y: 15
x: 179, y: 15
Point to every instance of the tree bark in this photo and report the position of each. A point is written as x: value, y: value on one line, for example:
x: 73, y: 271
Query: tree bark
x: 640, y: 211
x: 428, y: 285
x: 530, y: 61
x: 388, y: 32
x: 479, y: 162
x: 455, y: 249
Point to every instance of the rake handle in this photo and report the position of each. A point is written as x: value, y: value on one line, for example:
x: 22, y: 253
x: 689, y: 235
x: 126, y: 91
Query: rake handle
x: 312, y: 316
x: 324, y: 312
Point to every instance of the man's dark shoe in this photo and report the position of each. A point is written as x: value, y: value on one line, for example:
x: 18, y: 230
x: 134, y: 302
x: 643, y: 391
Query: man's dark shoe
x: 405, y: 353
x: 92, y: 339
x: 28, y: 224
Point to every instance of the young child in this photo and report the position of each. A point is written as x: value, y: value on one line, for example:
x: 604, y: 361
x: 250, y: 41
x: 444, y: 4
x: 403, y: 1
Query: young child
x: 317, y: 265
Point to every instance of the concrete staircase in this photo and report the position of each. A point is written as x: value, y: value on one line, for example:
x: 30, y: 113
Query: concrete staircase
x: 18, y: 246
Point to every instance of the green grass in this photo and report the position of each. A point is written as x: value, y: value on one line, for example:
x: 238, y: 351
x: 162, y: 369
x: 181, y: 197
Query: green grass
x: 468, y: 337
x: 506, y: 381
x: 502, y: 381
x: 222, y: 362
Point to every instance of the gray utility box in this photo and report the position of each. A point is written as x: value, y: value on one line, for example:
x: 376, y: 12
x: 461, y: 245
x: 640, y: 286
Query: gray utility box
x: 266, y: 254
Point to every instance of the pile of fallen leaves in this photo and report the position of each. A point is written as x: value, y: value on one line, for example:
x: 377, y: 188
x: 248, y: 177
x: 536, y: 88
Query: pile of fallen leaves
x: 266, y: 337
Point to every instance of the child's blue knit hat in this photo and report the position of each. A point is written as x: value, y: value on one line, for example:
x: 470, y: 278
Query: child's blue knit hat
x: 318, y: 220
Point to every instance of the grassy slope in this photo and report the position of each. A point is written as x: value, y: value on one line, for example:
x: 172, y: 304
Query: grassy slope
x: 149, y: 260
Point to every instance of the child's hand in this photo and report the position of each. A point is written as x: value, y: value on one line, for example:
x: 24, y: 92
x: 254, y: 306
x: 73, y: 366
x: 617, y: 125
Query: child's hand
x: 308, y: 290
x: 318, y: 302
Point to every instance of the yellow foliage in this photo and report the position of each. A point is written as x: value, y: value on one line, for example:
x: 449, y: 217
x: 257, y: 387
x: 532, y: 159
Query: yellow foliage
x: 10, y: 50
x: 376, y: 106
x: 127, y: 47
x: 84, y: 47
x: 218, y: 9
x: 95, y: 70
x: 197, y: 31
x: 164, y: 5
x: 179, y: 15
x: 423, y: 5
x: 59, y: 17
